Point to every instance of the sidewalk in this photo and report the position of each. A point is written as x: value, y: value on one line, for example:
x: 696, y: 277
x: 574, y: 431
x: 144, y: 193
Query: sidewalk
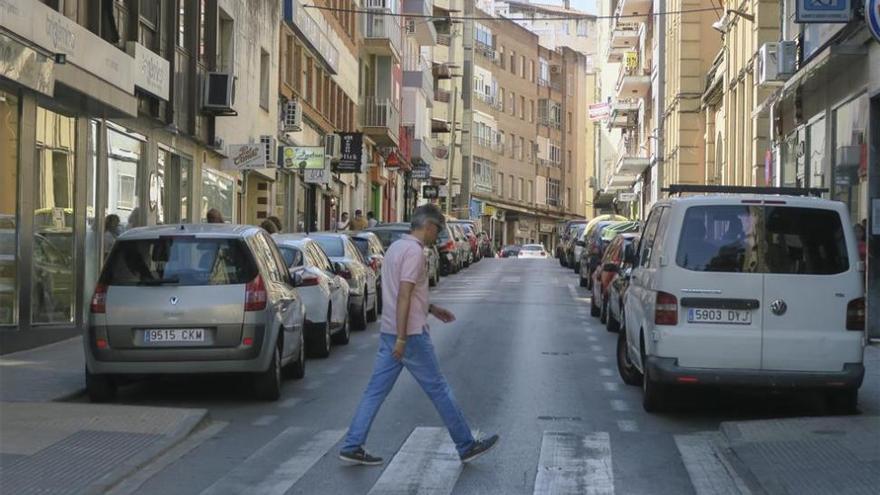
x: 55, y: 447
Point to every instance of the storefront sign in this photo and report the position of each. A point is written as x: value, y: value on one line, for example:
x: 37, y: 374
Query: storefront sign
x: 152, y: 73
x: 626, y: 197
x: 872, y: 17
x: 489, y: 210
x: 632, y: 59
x: 26, y: 66
x: 823, y: 11
x: 317, y: 175
x: 475, y: 209
x: 352, y: 156
x: 421, y: 173
x: 430, y: 192
x: 599, y: 111
x: 56, y: 33
x: 546, y: 228
x: 245, y: 157
x: 303, y: 157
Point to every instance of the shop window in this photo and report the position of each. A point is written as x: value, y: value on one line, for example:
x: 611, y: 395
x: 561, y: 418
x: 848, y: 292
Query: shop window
x: 218, y: 191
x: 850, y: 155
x: 123, y: 158
x: 9, y: 133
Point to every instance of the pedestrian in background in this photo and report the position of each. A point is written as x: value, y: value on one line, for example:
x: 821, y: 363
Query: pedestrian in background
x: 405, y: 342
x: 342, y: 224
x: 269, y: 226
x: 371, y: 220
x: 111, y: 231
x: 277, y: 222
x: 214, y: 216
x: 358, y: 222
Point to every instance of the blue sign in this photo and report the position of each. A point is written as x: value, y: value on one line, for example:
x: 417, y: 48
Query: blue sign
x: 823, y: 11
x: 872, y: 17
x: 476, y: 209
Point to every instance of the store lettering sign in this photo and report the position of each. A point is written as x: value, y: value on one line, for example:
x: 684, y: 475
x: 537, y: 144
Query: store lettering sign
x: 352, y: 153
x: 872, y: 17
x: 599, y: 111
x: 152, y: 73
x: 304, y: 157
x: 823, y: 11
x: 245, y: 157
x: 317, y: 176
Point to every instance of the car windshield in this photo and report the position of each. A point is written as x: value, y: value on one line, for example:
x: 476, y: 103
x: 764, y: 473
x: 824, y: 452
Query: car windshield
x: 292, y: 256
x: 466, y: 228
x: 532, y: 247
x: 386, y: 237
x: 332, y: 246
x: 179, y: 261
x: 363, y: 245
x: 754, y: 239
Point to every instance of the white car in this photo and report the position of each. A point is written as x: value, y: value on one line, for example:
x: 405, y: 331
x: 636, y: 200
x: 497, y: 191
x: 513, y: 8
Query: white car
x: 759, y: 290
x: 534, y: 251
x: 324, y: 293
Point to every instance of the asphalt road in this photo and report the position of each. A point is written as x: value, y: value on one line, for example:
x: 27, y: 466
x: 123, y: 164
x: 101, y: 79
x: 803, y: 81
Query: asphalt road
x: 524, y: 359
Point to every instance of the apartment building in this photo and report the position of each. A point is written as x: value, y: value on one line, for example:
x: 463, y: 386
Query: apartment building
x: 134, y: 114
x: 578, y: 32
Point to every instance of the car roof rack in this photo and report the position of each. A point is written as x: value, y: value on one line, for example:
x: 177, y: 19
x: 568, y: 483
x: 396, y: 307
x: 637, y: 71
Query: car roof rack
x: 679, y: 189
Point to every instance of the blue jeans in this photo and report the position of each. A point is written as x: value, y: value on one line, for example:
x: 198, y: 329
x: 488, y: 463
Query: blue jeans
x: 420, y: 360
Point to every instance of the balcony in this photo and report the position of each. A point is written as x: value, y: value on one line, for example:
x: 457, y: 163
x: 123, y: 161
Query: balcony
x: 381, y: 120
x: 489, y: 144
x: 485, y: 50
x: 625, y: 35
x: 632, y: 159
x: 444, y: 39
x: 313, y: 33
x: 440, y: 126
x: 424, y: 31
x: 422, y: 154
x: 624, y: 114
x: 615, y: 55
x: 442, y: 70
x: 382, y: 33
x: 442, y: 95
x: 417, y: 74
x: 633, y: 82
x: 633, y: 7
x: 620, y: 182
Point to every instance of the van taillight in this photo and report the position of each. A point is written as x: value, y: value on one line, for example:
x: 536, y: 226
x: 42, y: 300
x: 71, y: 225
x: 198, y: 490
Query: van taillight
x: 855, y: 314
x: 255, y: 295
x: 99, y: 299
x: 666, y: 309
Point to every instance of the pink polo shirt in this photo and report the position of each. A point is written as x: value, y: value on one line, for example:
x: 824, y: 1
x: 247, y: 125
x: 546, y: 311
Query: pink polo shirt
x: 405, y: 262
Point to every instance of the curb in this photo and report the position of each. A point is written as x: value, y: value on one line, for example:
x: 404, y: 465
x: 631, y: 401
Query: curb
x: 155, y: 450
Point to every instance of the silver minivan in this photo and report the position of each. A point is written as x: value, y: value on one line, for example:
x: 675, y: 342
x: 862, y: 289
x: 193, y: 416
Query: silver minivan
x: 205, y: 298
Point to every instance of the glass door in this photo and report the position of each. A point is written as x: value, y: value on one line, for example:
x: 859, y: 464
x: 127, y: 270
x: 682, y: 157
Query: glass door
x: 9, y: 131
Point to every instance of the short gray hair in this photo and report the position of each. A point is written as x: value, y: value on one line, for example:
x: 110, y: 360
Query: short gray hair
x: 425, y: 214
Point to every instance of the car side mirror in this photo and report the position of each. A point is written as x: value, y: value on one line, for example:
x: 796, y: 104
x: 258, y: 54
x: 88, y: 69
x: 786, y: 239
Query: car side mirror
x: 338, y: 267
x: 610, y: 267
x: 296, y: 278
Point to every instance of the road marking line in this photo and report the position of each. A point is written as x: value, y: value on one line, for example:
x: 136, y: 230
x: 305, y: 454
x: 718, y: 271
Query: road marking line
x: 427, y: 463
x: 606, y: 371
x: 265, y: 420
x: 601, y: 359
x: 288, y: 403
x: 619, y: 405
x: 611, y: 386
x: 590, y: 329
x: 572, y: 463
x: 596, y: 348
x: 251, y: 477
x: 592, y: 338
x: 709, y: 472
x: 627, y: 425
x: 132, y: 483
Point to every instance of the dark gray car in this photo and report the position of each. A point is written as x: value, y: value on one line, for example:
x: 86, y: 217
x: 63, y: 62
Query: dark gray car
x: 208, y: 298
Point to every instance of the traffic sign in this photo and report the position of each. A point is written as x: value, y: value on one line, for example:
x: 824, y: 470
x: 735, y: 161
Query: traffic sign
x: 823, y: 11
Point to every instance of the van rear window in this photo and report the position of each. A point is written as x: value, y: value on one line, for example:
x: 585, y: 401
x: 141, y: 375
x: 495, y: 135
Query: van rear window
x: 762, y: 239
x: 179, y: 261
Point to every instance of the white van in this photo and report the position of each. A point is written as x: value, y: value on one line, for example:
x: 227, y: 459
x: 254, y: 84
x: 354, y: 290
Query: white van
x: 745, y: 290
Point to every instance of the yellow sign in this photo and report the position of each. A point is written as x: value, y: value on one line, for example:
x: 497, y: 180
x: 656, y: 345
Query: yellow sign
x: 631, y: 59
x: 488, y: 210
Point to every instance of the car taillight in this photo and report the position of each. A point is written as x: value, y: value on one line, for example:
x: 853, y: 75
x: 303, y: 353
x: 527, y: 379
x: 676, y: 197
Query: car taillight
x: 309, y: 280
x: 449, y: 246
x: 855, y: 314
x: 99, y: 299
x: 543, y: 253
x: 374, y: 264
x: 255, y: 295
x: 666, y: 309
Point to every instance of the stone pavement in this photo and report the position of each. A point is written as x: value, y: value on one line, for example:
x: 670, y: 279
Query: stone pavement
x: 51, y: 447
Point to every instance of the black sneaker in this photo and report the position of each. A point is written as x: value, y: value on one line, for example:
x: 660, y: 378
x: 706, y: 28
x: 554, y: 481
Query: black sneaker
x: 360, y: 456
x: 479, y: 448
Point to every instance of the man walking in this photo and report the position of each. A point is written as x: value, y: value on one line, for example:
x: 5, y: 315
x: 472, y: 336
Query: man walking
x: 358, y: 222
x: 342, y: 224
x: 406, y: 343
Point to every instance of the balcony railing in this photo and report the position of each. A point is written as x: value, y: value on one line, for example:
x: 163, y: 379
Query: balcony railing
x: 543, y: 82
x: 442, y: 95
x: 379, y: 25
x: 444, y: 39
x: 381, y: 112
x: 314, y: 33
x: 416, y: 62
x: 487, y: 99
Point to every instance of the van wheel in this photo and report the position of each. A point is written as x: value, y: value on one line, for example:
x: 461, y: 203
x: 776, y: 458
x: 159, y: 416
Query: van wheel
x: 594, y: 310
x: 653, y: 393
x: 625, y: 367
x: 267, y: 384
x: 343, y: 335
x: 101, y: 388
x: 844, y: 401
x: 373, y: 313
x: 297, y: 369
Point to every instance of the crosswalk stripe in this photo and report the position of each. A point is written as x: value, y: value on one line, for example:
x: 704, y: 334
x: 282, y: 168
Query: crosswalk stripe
x: 573, y: 463
x: 709, y: 472
x: 265, y: 420
x: 426, y: 464
x: 250, y: 476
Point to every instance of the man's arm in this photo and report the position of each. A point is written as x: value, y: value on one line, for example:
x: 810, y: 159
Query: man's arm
x: 404, y: 298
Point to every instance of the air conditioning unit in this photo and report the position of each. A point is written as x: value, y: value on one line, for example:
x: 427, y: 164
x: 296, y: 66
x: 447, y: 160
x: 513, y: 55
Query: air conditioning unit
x: 292, y: 119
x: 219, y: 92
x: 556, y: 69
x: 269, y: 147
x: 776, y: 61
x: 333, y: 147
x: 218, y: 143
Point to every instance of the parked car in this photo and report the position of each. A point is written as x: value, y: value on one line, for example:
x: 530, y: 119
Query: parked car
x: 204, y: 298
x: 568, y: 247
x: 486, y: 245
x: 593, y: 249
x: 373, y: 253
x: 604, y: 274
x: 619, y: 284
x: 566, y: 232
x: 387, y: 233
x: 470, y: 231
x: 534, y: 251
x: 463, y: 245
x: 511, y: 251
x: 746, y: 290
x: 324, y: 293
x: 363, y: 305
x: 451, y: 257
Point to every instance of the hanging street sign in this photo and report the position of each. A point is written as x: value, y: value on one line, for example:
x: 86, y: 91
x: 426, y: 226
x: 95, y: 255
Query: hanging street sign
x: 304, y: 157
x: 823, y: 11
x: 351, y: 152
